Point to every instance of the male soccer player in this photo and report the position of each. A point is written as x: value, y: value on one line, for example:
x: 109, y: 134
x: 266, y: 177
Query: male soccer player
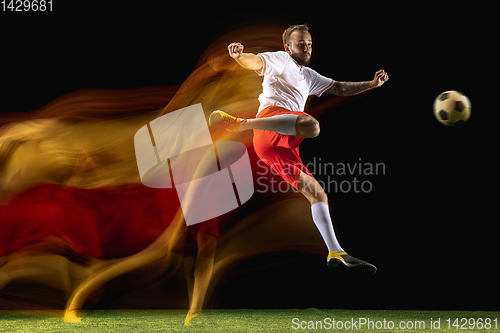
x: 281, y: 124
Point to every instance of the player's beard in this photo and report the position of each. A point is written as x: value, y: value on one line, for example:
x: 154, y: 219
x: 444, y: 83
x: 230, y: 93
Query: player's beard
x: 302, y: 59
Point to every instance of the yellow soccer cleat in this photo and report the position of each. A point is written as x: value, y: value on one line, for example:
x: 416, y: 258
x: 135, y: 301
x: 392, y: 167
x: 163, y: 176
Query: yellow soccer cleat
x: 219, y: 118
x: 340, y: 260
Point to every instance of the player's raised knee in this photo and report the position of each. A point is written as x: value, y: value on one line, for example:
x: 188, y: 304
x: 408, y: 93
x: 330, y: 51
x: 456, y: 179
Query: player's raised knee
x: 307, y: 127
x: 314, y: 128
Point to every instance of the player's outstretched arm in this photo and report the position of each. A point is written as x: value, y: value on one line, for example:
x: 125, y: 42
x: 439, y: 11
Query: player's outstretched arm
x: 246, y: 60
x: 344, y: 88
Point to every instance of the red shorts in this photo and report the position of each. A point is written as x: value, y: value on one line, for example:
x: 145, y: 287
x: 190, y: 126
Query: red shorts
x: 278, y: 151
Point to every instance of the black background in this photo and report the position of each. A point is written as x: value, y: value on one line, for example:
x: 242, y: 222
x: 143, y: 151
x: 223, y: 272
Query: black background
x: 428, y: 224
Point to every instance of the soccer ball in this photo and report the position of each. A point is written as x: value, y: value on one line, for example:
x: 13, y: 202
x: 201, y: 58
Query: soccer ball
x: 452, y: 108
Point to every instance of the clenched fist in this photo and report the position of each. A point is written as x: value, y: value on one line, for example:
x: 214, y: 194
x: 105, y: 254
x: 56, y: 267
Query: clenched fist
x: 235, y: 50
x: 380, y: 78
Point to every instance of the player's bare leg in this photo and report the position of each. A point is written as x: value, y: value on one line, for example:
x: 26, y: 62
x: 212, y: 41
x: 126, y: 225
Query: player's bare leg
x: 337, y: 257
x: 207, y: 244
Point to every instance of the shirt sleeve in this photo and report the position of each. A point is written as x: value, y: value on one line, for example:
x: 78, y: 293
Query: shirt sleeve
x: 273, y: 63
x: 319, y: 83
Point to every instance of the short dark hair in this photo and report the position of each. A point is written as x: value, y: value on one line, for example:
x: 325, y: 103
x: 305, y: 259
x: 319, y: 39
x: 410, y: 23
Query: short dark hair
x: 288, y: 32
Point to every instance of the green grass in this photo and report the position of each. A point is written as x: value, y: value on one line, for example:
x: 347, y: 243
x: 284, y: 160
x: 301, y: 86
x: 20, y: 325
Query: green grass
x: 129, y: 321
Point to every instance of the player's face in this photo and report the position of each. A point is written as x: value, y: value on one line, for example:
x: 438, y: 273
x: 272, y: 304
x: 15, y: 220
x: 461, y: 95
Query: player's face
x: 300, y: 47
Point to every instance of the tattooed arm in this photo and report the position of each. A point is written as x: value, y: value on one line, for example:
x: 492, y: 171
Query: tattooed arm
x: 343, y: 88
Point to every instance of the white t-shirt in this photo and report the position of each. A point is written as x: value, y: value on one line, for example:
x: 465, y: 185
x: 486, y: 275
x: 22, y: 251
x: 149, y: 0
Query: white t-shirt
x: 287, y: 84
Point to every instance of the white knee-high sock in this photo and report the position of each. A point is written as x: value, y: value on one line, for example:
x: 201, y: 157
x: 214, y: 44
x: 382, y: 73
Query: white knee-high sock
x: 321, y: 217
x: 282, y: 124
